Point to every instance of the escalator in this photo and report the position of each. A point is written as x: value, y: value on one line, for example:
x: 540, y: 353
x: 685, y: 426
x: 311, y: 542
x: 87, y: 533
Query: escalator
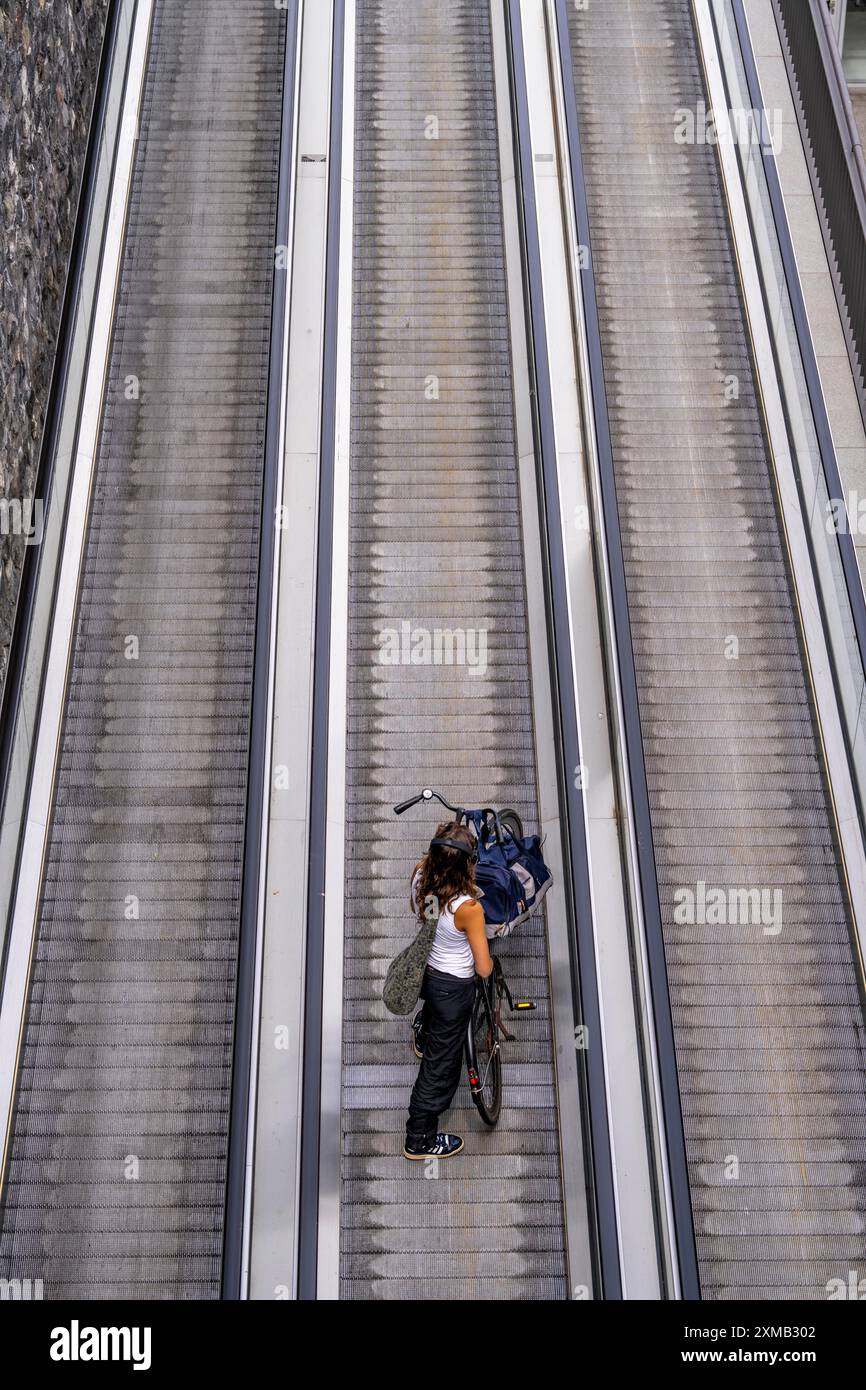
x: 123, y: 1130
x: 764, y: 980
x: 115, y: 1180
x: 436, y: 548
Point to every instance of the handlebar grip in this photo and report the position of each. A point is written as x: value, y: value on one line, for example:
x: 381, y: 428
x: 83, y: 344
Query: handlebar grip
x: 404, y: 805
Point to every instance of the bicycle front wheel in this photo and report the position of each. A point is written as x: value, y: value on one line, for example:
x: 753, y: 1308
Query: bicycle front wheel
x: 485, y: 1059
x: 512, y: 821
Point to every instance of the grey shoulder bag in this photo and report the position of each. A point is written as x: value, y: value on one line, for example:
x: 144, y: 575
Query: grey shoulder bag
x: 406, y: 972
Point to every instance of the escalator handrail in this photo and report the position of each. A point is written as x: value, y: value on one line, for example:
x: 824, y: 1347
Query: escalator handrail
x: 255, y: 827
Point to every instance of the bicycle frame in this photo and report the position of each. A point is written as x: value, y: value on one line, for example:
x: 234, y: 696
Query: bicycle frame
x: 490, y: 988
x: 495, y: 987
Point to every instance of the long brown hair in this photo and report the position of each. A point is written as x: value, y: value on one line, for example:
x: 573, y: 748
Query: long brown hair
x: 444, y: 873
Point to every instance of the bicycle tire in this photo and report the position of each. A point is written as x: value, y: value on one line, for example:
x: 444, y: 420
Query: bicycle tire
x: 485, y: 1060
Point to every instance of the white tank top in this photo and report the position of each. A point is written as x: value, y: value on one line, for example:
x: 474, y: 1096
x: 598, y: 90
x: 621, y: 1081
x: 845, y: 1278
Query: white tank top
x: 451, y: 950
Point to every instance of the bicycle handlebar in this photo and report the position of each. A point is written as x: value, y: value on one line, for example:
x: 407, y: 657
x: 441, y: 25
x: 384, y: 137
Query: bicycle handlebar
x: 427, y: 795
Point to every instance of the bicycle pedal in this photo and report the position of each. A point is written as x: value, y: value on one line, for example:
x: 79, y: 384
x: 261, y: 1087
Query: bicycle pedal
x: 522, y: 1004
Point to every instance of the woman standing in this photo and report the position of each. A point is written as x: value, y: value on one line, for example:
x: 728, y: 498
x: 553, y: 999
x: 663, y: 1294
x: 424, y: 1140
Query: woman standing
x: 444, y: 884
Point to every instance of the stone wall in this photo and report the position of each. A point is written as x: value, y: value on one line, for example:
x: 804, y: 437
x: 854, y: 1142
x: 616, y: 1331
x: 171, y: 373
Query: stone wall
x: 49, y: 56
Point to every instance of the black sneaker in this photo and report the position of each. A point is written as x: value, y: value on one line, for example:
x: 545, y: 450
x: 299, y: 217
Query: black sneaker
x: 440, y: 1146
x: 418, y: 1036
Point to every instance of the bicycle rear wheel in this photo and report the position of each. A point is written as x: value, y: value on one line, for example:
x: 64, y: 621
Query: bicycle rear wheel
x: 485, y: 1059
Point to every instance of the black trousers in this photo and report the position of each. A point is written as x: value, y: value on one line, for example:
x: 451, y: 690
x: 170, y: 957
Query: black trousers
x: 447, y: 1009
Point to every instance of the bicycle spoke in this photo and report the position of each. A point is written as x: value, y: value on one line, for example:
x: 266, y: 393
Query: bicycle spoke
x: 491, y: 1054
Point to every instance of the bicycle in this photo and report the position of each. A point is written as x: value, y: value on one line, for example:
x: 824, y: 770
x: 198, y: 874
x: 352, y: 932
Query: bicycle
x: 507, y: 818
x: 482, y: 1048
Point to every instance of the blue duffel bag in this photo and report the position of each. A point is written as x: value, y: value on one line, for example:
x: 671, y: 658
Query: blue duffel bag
x: 511, y: 874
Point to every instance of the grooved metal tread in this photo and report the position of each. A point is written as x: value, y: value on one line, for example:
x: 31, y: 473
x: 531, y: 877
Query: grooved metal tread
x: 768, y: 1023
x: 115, y: 1185
x: 436, y: 543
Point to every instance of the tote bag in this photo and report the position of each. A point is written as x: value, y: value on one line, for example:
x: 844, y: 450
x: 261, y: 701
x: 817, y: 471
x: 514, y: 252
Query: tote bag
x: 406, y: 972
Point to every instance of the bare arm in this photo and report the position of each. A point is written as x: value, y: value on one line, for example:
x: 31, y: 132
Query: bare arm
x: 470, y: 918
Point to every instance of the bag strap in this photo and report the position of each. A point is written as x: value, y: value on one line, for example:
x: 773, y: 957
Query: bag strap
x: 501, y: 832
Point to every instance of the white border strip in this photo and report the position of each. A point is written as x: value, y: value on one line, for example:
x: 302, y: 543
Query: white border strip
x: 272, y: 1254
x: 272, y: 653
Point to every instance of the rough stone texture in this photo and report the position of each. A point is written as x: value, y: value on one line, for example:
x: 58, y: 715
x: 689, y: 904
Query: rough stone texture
x: 49, y: 56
